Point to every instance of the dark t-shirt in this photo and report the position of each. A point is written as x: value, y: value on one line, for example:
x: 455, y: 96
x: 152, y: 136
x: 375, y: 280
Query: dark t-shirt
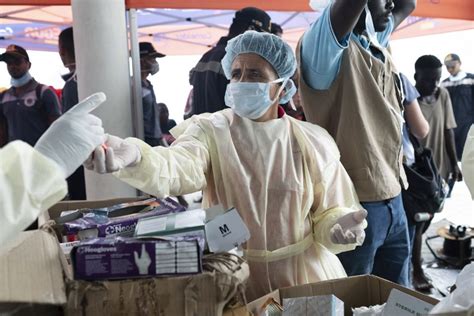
x: 69, y: 95
x: 26, y: 116
x: 209, y: 81
x: 151, y: 119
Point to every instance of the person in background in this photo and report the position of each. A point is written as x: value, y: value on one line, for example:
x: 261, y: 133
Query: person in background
x: 207, y: 77
x: 282, y: 175
x: 32, y: 179
x: 416, y: 125
x: 277, y: 29
x: 27, y: 108
x: 349, y: 86
x: 460, y: 86
x: 76, y: 183
x: 436, y: 107
x: 151, y: 118
x: 166, y: 124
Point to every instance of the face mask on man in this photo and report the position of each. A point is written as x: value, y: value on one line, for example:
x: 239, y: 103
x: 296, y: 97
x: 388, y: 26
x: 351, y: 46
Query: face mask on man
x: 151, y: 66
x: 19, y: 82
x: 251, y: 99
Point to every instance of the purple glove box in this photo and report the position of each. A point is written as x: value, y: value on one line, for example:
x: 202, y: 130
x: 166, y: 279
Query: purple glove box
x: 125, y: 258
x: 102, y: 223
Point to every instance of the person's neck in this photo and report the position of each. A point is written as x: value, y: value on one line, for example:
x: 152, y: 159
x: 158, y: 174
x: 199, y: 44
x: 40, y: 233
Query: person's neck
x: 71, y: 68
x: 144, y: 76
x: 22, y: 89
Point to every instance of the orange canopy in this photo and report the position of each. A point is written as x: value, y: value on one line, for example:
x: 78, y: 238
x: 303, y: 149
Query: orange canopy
x: 450, y: 9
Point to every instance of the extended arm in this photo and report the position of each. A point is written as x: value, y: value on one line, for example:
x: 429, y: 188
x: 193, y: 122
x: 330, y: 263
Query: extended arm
x: 451, y: 150
x: 402, y: 9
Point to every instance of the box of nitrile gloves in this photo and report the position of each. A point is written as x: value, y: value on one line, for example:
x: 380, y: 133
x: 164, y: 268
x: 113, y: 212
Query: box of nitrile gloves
x: 91, y: 221
x: 125, y: 258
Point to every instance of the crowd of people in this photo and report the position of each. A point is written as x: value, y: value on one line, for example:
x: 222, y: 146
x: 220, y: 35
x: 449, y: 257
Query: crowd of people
x: 309, y: 145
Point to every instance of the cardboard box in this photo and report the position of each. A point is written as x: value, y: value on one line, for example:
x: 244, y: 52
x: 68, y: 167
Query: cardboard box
x: 32, y: 275
x: 128, y: 258
x: 36, y: 281
x: 365, y: 290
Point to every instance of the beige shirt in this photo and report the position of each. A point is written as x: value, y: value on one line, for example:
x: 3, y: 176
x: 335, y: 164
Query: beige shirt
x: 440, y: 117
x: 361, y: 110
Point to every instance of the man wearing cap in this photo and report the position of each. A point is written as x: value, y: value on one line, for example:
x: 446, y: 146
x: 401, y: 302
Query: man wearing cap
x: 151, y: 112
x: 350, y: 86
x: 460, y: 86
x: 282, y: 175
x: 207, y: 77
x: 28, y: 108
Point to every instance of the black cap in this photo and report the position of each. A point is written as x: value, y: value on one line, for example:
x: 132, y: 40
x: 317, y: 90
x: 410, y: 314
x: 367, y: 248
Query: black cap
x: 255, y: 17
x: 147, y: 49
x: 14, y: 51
x: 452, y: 57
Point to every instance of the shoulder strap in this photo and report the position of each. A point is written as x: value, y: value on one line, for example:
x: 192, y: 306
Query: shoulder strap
x: 39, y: 90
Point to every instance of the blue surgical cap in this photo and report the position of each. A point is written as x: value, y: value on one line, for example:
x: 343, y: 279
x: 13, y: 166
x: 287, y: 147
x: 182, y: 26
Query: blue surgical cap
x: 270, y: 47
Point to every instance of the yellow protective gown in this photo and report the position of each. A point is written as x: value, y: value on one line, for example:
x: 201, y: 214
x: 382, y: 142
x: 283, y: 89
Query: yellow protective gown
x: 29, y: 184
x: 467, y: 161
x: 283, y: 176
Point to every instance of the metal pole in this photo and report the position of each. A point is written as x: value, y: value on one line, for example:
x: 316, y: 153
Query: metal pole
x: 136, y: 80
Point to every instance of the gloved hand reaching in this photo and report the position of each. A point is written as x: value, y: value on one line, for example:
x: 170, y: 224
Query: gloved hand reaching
x: 349, y: 228
x: 112, y: 156
x: 73, y: 136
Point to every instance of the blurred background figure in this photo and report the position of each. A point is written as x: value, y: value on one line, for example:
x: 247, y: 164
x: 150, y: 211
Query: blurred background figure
x: 166, y: 124
x: 76, y: 183
x: 148, y: 67
x: 277, y: 29
x: 207, y: 77
x: 460, y: 86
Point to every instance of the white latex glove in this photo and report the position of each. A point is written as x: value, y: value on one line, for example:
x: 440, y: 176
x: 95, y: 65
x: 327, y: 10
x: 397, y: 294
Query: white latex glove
x: 73, y: 136
x: 142, y: 262
x: 112, y: 156
x: 349, y: 229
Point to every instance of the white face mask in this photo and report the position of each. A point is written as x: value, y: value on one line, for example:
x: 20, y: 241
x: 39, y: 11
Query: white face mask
x: 251, y: 99
x: 19, y: 82
x: 369, y: 27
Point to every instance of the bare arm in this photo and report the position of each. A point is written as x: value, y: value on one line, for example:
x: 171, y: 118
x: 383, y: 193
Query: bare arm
x: 451, y: 150
x: 402, y: 9
x: 344, y: 16
x: 417, y: 123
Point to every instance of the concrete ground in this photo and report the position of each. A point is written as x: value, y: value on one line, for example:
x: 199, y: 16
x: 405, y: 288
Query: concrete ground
x: 458, y: 210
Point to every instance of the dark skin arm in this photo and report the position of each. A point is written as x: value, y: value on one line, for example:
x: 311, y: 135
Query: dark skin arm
x: 402, y: 9
x: 451, y: 150
x: 346, y: 13
x: 344, y: 16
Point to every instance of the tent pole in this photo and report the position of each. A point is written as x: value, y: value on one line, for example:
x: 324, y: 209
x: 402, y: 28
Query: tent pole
x: 136, y: 80
x: 102, y: 64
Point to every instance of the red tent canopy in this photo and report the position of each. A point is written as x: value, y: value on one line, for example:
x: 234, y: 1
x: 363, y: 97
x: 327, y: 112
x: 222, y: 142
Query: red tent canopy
x: 450, y: 9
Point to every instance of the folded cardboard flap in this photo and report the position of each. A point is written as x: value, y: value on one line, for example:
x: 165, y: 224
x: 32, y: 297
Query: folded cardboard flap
x: 56, y: 209
x: 364, y: 290
x: 31, y: 270
x: 203, y: 294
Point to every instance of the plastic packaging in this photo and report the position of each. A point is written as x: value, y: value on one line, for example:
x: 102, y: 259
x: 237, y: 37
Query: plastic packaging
x: 462, y: 298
